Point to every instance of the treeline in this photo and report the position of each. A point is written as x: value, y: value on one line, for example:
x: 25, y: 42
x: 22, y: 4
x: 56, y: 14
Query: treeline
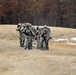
x: 61, y: 13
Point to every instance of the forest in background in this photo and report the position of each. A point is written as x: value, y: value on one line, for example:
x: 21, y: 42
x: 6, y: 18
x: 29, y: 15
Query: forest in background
x: 60, y: 13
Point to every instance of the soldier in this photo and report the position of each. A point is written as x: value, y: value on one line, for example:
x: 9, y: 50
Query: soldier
x: 37, y: 37
x: 45, y: 37
x: 33, y: 36
x: 20, y: 28
x: 28, y: 36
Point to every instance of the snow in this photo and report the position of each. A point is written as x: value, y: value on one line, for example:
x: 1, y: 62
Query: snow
x: 73, y: 38
x: 71, y: 43
x: 60, y: 39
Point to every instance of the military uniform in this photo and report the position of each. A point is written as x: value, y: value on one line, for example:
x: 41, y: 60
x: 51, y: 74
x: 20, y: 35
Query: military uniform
x: 20, y: 28
x: 45, y: 37
x: 28, y: 36
x: 37, y: 37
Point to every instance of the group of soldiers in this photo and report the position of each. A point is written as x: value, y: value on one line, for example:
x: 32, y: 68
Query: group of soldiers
x: 28, y: 33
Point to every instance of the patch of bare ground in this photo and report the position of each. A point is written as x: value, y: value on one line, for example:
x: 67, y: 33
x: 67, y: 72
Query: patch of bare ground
x: 60, y: 59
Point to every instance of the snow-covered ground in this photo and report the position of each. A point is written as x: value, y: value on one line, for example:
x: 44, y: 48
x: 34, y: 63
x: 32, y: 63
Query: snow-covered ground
x: 73, y: 38
x: 71, y: 41
x: 61, y: 39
